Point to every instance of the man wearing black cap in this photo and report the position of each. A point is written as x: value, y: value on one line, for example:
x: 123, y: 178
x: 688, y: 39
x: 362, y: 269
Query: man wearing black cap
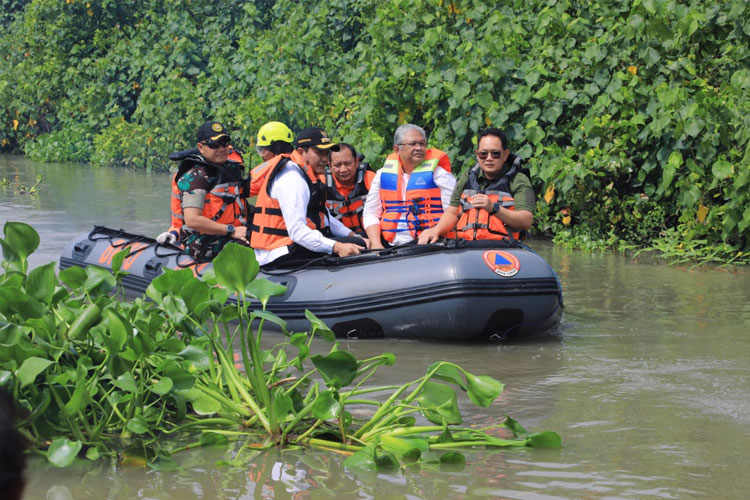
x: 291, y: 221
x: 211, y: 195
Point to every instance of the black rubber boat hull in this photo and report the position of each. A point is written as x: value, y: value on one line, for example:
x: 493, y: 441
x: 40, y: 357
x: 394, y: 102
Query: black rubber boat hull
x: 470, y: 291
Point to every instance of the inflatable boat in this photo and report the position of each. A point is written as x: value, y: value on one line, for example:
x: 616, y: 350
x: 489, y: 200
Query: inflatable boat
x: 458, y: 290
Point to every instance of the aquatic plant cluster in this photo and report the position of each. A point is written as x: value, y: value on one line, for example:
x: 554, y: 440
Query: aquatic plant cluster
x: 142, y: 380
x: 632, y: 114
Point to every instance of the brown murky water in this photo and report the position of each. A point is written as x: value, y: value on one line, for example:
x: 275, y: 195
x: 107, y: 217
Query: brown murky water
x: 647, y: 381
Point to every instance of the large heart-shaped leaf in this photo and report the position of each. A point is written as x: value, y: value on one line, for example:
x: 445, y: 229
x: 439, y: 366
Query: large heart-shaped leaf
x: 438, y: 404
x: 326, y: 406
x: 126, y: 382
x: 205, y: 405
x: 338, y: 368
x: 138, y: 425
x: 62, y: 452
x: 163, y: 386
x: 263, y: 289
x: 547, y: 439
x: 235, y: 267
x: 270, y: 317
x: 30, y: 368
x: 282, y: 405
x: 402, y: 446
x: 20, y: 241
x: 483, y: 389
x: 318, y: 327
x: 448, y: 372
x: 197, y: 357
x: 41, y: 282
x: 73, y: 276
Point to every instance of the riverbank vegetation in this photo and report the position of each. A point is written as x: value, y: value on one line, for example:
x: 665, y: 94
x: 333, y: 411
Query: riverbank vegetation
x: 142, y: 380
x: 632, y: 114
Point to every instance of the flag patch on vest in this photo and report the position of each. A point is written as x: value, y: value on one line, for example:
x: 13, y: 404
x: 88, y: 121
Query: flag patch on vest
x: 502, y: 263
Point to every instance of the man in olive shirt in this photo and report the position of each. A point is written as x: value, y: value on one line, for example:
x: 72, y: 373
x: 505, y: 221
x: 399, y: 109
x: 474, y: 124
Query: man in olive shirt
x: 492, y: 200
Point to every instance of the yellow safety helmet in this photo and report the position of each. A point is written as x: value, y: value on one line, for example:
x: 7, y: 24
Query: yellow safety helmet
x: 274, y: 131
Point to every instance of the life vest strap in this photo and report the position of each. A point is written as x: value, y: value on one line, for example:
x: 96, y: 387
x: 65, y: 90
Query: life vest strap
x: 269, y: 230
x: 268, y: 211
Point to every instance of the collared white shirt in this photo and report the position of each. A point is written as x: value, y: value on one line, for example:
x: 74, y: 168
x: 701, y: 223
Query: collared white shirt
x: 374, y: 208
x: 293, y: 194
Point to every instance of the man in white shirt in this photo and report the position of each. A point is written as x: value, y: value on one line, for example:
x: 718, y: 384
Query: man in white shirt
x: 291, y: 222
x: 410, y: 192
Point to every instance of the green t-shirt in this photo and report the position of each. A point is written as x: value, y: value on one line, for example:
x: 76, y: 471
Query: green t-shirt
x: 520, y: 189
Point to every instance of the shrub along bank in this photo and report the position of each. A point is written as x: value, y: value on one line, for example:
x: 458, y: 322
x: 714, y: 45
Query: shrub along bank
x: 633, y: 115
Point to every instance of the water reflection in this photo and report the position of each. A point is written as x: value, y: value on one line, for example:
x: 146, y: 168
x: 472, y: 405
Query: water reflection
x: 74, y: 197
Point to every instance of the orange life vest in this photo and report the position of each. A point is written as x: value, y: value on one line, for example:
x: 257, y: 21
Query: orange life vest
x: 268, y: 229
x: 191, y: 156
x: 347, y: 204
x: 477, y: 223
x: 421, y: 202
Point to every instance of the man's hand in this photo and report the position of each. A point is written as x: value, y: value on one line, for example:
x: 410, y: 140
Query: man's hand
x: 240, y: 233
x: 167, y: 237
x: 481, y: 201
x: 428, y: 236
x: 346, y: 249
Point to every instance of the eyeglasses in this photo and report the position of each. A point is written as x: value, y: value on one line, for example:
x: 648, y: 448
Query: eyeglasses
x: 221, y: 143
x: 495, y: 154
x: 345, y: 163
x: 413, y: 145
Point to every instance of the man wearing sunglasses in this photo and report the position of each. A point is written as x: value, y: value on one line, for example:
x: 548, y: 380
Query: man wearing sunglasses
x: 409, y: 193
x: 211, y: 195
x: 492, y: 200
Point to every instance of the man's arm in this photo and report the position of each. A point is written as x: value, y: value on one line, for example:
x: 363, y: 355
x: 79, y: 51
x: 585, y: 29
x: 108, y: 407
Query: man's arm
x: 446, y: 182
x: 371, y: 213
x: 445, y: 224
x: 195, y: 220
x: 293, y: 194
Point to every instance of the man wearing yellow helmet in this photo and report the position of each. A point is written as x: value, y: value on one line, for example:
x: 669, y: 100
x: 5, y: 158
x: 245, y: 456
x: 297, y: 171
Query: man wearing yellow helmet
x: 268, y: 134
x: 291, y: 221
x: 274, y: 138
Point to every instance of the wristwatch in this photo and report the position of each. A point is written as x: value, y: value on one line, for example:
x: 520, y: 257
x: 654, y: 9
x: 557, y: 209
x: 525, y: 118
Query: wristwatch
x: 230, y: 229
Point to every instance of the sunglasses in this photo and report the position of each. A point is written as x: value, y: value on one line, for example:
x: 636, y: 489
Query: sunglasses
x: 221, y: 143
x: 483, y: 154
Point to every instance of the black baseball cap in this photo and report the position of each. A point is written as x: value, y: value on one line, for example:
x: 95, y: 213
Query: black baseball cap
x: 316, y: 137
x: 211, y: 131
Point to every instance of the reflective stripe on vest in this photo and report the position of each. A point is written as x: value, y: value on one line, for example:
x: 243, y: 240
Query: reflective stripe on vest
x: 348, y: 209
x: 421, y: 205
x: 477, y: 223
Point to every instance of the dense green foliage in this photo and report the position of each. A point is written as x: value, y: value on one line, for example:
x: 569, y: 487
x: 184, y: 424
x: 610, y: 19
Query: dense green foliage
x: 633, y: 114
x: 97, y: 375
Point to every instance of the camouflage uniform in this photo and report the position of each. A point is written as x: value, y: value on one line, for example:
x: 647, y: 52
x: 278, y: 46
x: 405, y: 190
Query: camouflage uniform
x: 193, y: 186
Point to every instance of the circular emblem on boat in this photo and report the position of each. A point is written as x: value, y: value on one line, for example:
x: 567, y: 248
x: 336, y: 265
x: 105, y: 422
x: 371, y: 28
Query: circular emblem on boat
x: 502, y: 263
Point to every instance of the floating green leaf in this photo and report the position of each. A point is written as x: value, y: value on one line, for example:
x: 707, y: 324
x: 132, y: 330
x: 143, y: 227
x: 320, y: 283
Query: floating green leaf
x: 438, y: 404
x: 62, y: 452
x: 338, y: 369
x: 327, y: 406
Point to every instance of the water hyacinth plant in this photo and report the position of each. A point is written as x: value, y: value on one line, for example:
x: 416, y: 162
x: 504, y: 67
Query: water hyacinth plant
x: 144, y: 379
